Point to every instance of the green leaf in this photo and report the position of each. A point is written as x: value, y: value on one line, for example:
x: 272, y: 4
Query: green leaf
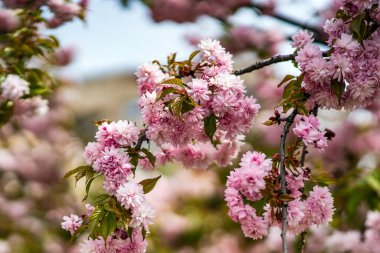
x: 76, y: 170
x: 166, y: 92
x: 193, y: 54
x: 88, y: 185
x: 302, y: 109
x: 175, y: 81
x: 150, y: 156
x: 95, y: 217
x: 143, y: 233
x: 99, y: 122
x: 176, y: 106
x: 90, y: 173
x: 108, y: 225
x: 338, y: 88
x: 134, y: 159
x: 80, y: 175
x: 286, y: 79
x: 148, y: 184
x: 285, y: 197
x: 359, y: 28
x: 188, y: 105
x: 102, y: 199
x: 6, y: 112
x: 268, y: 123
x: 210, y: 126
x: 288, y: 90
x: 171, y: 58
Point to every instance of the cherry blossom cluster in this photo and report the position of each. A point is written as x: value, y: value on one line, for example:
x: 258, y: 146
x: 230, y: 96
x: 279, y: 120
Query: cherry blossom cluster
x: 24, y: 86
x: 111, y: 156
x: 199, y: 155
x: 257, y: 179
x: 117, y: 243
x: 63, y: 11
x: 242, y: 38
x: 108, y: 157
x: 308, y: 130
x: 324, y: 239
x: 202, y: 101
x: 347, y: 75
x: 14, y: 89
x: 190, y: 10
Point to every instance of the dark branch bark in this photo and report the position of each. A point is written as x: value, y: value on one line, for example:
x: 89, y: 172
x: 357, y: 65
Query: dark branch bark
x: 265, y: 63
x: 303, y: 155
x: 285, y: 131
x: 142, y: 138
x: 319, y: 35
x: 303, y: 242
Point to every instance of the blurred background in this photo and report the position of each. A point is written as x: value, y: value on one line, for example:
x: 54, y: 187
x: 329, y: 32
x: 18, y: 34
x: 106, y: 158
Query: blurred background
x: 192, y: 216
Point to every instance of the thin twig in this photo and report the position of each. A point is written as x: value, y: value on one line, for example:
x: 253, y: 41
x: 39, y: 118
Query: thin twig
x: 285, y: 131
x: 302, y: 164
x: 303, y: 241
x: 303, y: 155
x: 319, y: 36
x: 142, y: 138
x: 304, y: 233
x: 264, y: 63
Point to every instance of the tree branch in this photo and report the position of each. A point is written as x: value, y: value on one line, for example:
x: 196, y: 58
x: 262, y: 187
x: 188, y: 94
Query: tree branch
x: 285, y: 131
x: 142, y: 138
x: 319, y: 35
x: 302, y: 164
x: 265, y: 63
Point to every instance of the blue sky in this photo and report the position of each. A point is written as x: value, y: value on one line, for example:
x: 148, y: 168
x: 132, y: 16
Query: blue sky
x: 115, y: 39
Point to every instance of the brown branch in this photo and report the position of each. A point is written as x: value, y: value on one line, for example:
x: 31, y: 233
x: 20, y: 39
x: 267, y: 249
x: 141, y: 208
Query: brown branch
x: 285, y: 131
x: 319, y: 35
x: 142, y: 138
x: 303, y: 242
x: 265, y: 63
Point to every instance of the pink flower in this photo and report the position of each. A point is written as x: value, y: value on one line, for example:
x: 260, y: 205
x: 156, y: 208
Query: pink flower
x: 307, y: 130
x: 249, y: 178
x: 89, y: 209
x: 302, y: 38
x: 130, y: 195
x: 143, y: 216
x: 148, y: 76
x: 198, y: 90
x: 347, y: 43
x: 92, y: 152
x: 13, y: 87
x: 296, y: 212
x: 234, y: 202
x: 226, y: 81
x: 342, y: 65
x: 254, y: 226
x: 120, y: 133
x: 71, y: 223
x: 319, y: 206
x: 8, y: 21
x: 373, y: 220
x: 34, y: 106
x: 307, y: 53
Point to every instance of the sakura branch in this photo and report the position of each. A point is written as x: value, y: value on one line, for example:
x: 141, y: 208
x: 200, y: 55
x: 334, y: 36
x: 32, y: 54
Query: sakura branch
x: 319, y: 36
x: 288, y: 122
x: 265, y: 63
x: 187, y: 110
x: 196, y: 111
